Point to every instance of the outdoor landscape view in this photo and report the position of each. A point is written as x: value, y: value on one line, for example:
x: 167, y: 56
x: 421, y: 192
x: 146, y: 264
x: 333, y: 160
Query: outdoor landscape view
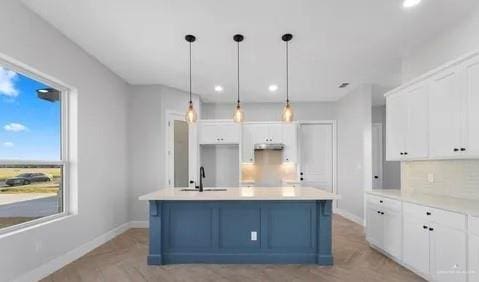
x: 31, y: 170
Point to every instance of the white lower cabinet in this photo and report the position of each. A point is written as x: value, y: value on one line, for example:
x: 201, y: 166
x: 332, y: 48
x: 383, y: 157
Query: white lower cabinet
x: 383, y: 225
x: 434, y: 243
x: 416, y: 245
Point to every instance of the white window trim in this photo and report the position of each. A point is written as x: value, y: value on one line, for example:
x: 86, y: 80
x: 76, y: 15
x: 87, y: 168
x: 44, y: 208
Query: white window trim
x: 65, y: 143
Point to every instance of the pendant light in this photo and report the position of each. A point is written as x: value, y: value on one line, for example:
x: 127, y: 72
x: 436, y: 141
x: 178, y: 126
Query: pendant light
x: 287, y: 115
x: 238, y: 115
x: 191, y: 115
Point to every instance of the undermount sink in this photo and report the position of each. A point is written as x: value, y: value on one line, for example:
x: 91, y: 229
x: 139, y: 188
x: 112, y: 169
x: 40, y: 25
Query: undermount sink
x: 204, y: 190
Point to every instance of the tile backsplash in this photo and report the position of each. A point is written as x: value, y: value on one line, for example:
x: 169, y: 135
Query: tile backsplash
x: 455, y: 178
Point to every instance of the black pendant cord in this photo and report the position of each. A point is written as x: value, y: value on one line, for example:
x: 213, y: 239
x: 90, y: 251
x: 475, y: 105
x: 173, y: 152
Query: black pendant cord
x: 190, y: 73
x: 287, y: 72
x: 238, y: 70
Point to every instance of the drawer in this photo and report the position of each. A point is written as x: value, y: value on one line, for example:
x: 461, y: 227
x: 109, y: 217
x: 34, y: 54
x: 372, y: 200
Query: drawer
x: 447, y: 218
x: 387, y: 203
x: 474, y: 225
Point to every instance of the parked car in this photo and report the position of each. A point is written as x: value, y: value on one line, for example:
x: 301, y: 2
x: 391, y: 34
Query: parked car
x: 27, y: 178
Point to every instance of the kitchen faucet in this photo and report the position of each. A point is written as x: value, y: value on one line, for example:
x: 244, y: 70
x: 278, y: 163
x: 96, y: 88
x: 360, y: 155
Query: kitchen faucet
x: 202, y: 175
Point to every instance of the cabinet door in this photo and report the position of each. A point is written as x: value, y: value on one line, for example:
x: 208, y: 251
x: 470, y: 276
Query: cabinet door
x: 446, y: 124
x: 473, y: 258
x: 374, y: 226
x: 208, y: 133
x: 275, y: 133
x: 416, y: 245
x: 396, y: 125
x: 448, y: 254
x: 290, y: 136
x: 259, y: 132
x: 247, y: 144
x: 417, y: 141
x: 471, y: 88
x: 229, y: 133
x: 392, y: 242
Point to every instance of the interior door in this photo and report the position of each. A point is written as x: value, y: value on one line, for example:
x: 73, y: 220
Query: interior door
x: 377, y: 150
x: 317, y: 156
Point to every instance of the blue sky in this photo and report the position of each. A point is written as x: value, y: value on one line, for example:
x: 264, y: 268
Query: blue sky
x: 29, y: 126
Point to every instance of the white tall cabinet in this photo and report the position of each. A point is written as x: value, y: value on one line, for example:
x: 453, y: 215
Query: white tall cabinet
x: 436, y: 116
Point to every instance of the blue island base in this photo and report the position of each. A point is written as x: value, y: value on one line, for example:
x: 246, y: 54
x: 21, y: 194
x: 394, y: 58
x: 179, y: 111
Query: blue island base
x: 233, y: 232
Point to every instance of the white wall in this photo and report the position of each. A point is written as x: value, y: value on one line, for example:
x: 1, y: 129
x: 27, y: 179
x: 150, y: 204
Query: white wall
x: 147, y: 106
x: 448, y: 45
x: 391, y: 170
x: 354, y: 149
x: 271, y: 111
x: 101, y: 141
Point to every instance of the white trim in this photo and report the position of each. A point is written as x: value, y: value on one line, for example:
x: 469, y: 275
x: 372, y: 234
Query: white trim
x: 68, y: 143
x: 349, y: 216
x: 139, y: 224
x: 59, y: 262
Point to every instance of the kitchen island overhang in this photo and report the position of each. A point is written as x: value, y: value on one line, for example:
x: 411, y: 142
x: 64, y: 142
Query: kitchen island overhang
x: 241, y: 225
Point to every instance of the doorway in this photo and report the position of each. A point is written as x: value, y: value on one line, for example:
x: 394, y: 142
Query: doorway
x: 178, y: 152
x: 377, y: 155
x: 318, y: 155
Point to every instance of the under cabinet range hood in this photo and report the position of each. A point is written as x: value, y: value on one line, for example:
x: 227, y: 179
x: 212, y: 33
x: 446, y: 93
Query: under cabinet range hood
x: 269, y: 146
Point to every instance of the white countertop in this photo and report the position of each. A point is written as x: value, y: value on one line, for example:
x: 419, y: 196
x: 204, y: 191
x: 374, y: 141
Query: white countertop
x: 241, y: 193
x: 465, y: 206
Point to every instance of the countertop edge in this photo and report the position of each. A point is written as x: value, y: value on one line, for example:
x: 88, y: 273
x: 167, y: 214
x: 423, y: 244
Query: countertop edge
x: 410, y: 199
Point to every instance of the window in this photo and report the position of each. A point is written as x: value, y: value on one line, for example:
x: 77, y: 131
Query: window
x: 33, y: 151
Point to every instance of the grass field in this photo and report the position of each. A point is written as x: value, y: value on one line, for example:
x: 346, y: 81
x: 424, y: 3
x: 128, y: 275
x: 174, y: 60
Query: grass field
x: 9, y: 221
x: 8, y: 172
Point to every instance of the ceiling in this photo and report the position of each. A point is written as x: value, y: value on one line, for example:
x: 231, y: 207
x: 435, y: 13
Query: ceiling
x: 334, y: 41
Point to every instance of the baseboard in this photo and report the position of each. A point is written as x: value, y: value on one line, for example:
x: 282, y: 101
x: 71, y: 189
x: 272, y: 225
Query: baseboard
x: 350, y: 216
x: 59, y: 262
x: 139, y: 224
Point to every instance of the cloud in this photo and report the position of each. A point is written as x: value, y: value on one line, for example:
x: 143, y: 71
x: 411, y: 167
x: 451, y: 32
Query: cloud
x: 8, y: 144
x: 15, y: 127
x: 7, y: 85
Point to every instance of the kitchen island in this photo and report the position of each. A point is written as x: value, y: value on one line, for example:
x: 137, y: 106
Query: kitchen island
x: 240, y: 225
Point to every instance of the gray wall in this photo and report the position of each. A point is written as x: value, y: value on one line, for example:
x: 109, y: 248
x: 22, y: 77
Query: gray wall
x: 271, y: 111
x: 391, y: 170
x: 147, y: 106
x: 354, y: 149
x: 101, y: 141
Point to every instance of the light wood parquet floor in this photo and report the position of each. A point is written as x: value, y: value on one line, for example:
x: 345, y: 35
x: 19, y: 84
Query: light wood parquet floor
x: 124, y: 259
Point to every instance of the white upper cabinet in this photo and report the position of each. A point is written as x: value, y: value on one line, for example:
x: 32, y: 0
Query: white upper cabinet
x: 436, y: 116
x: 471, y: 74
x: 407, y: 123
x: 219, y: 132
x: 247, y: 144
x: 446, y: 113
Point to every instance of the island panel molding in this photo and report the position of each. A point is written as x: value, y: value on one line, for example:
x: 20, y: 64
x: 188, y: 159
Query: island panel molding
x: 297, y: 231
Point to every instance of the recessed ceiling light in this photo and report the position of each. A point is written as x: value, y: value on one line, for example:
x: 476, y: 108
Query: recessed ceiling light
x: 410, y: 3
x: 219, y: 88
x: 273, y: 88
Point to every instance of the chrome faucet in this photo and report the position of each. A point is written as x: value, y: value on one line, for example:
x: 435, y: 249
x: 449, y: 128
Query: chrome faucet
x: 202, y: 175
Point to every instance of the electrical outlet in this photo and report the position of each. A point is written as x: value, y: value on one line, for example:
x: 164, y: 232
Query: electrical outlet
x: 254, y: 235
x: 430, y: 177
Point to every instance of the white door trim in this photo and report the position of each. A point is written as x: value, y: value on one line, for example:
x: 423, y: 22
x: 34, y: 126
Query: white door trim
x: 335, y: 150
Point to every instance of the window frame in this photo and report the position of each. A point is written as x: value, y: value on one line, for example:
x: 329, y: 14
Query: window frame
x: 64, y: 162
